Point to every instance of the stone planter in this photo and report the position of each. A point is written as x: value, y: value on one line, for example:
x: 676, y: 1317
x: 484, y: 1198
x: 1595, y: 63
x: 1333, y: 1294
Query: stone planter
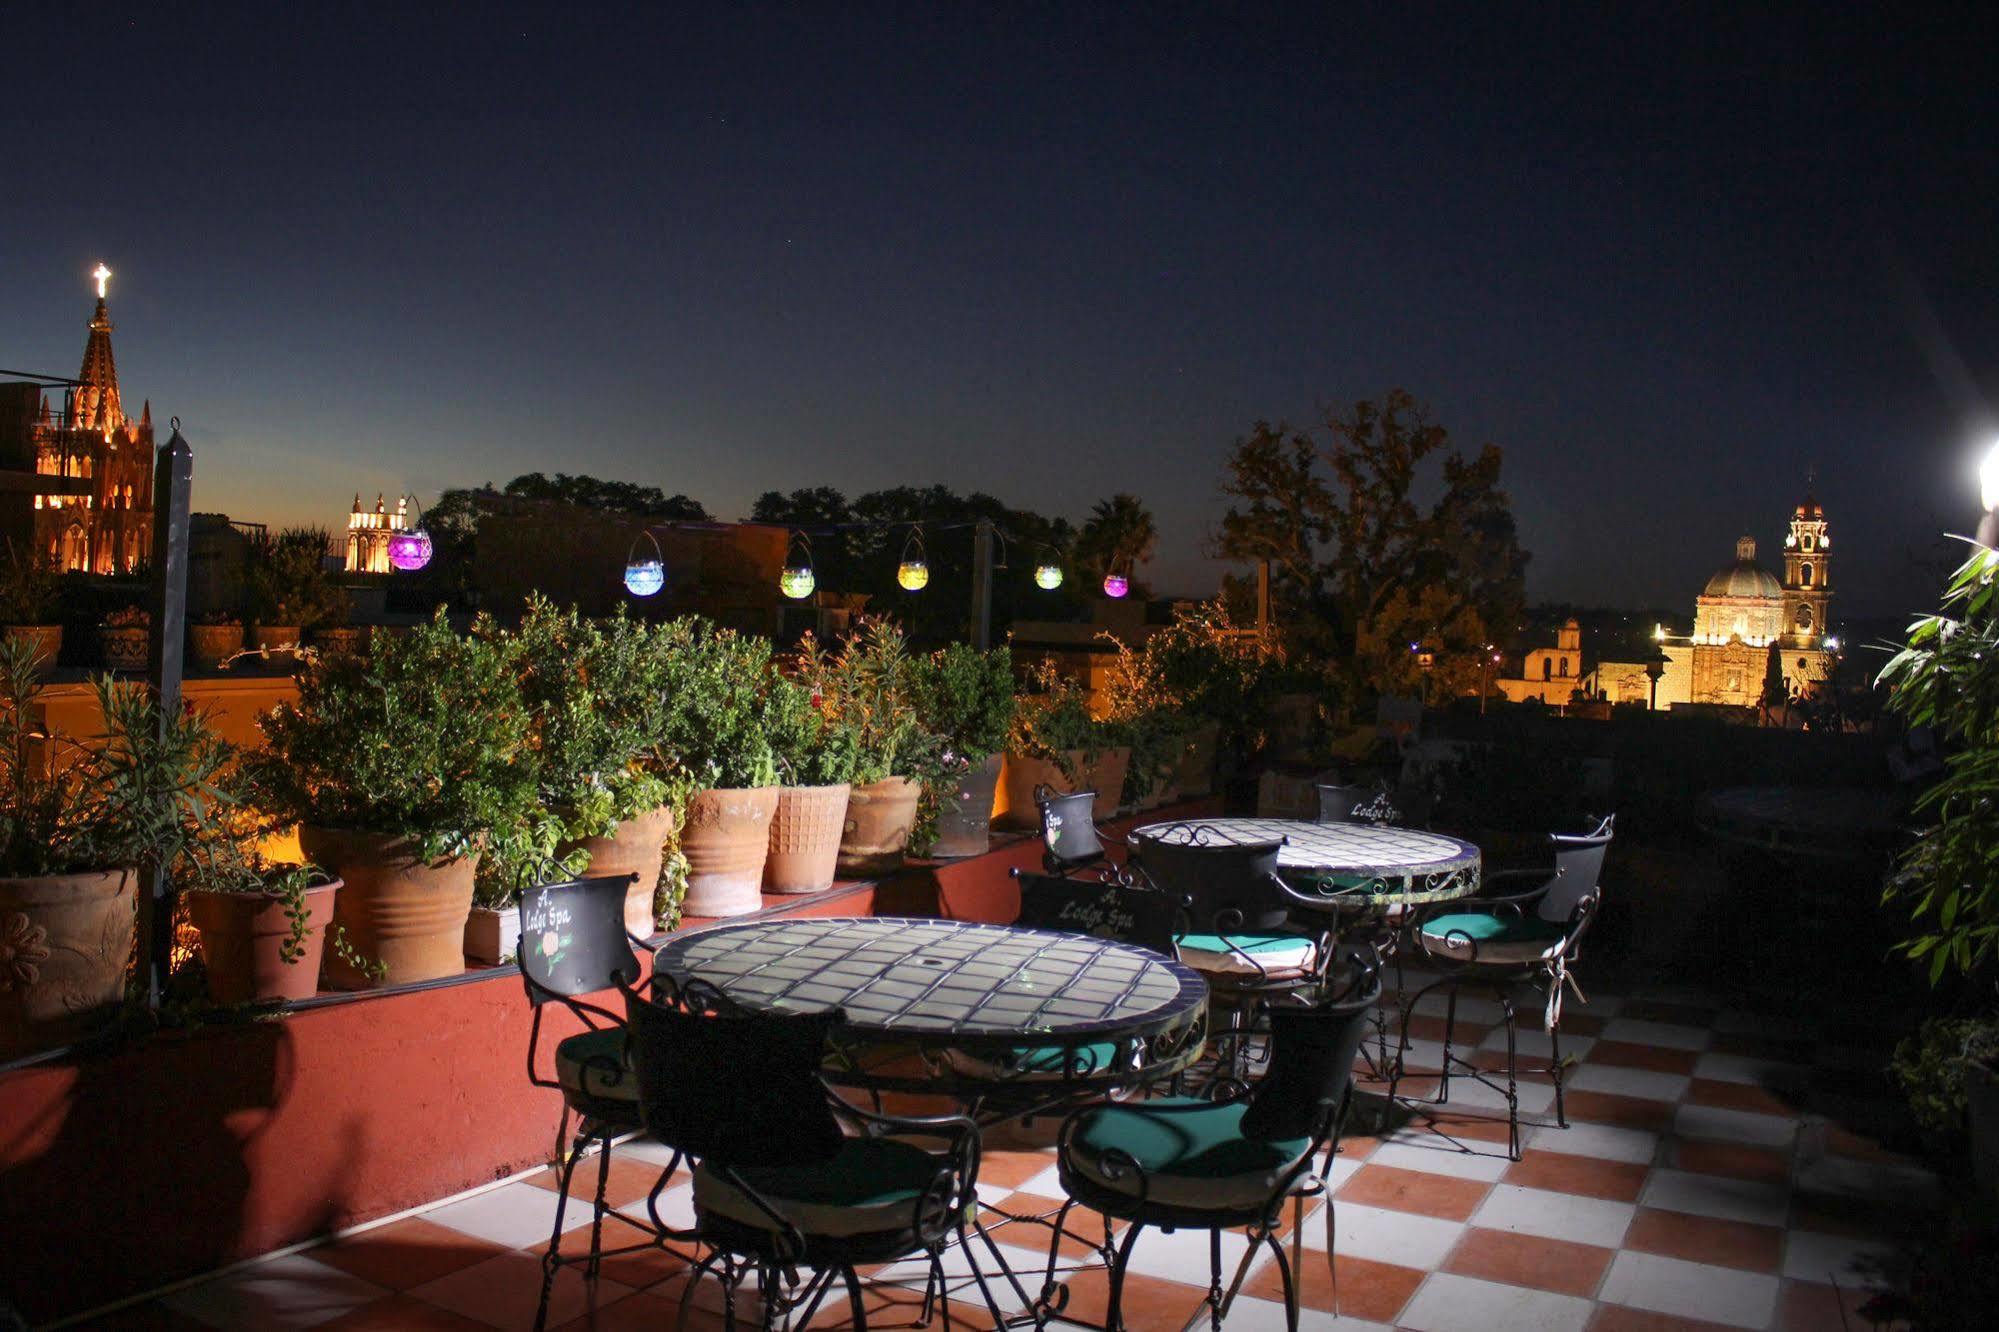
x: 46, y: 638
x: 209, y: 645
x: 880, y: 817
x: 725, y: 841
x: 124, y: 648
x: 65, y: 941
x: 492, y: 935
x: 967, y: 830
x: 1196, y: 774
x: 280, y: 640
x: 636, y: 846
x: 242, y: 941
x: 805, y: 838
x: 342, y: 640
x: 405, y: 913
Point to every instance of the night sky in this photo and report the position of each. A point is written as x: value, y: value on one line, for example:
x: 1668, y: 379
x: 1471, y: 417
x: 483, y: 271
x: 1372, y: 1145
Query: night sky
x: 1666, y: 265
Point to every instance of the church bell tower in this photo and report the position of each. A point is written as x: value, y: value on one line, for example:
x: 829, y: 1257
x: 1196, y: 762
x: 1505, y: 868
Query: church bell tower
x: 1807, y: 577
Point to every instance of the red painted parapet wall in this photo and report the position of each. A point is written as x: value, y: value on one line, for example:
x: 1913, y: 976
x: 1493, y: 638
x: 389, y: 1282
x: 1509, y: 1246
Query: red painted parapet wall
x: 123, y: 1171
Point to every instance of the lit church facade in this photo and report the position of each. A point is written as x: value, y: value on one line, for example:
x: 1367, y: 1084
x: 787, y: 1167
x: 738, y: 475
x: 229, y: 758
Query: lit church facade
x: 368, y: 534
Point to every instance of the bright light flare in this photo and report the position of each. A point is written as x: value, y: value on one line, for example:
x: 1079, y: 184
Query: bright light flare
x: 1988, y: 478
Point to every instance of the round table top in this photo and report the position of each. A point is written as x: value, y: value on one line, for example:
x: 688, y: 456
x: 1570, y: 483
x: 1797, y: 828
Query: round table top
x: 942, y: 982
x: 1397, y: 866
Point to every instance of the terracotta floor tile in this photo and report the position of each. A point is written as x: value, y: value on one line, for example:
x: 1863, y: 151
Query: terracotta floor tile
x: 1368, y: 1290
x: 1622, y: 1111
x: 643, y: 1312
x: 1618, y: 1181
x: 1839, y: 1214
x: 1762, y: 1047
x: 1706, y: 1239
x: 1011, y: 1168
x: 1727, y: 1158
x: 1618, y: 1318
x: 502, y: 1292
x: 1684, y: 1015
x: 644, y: 1267
x: 1656, y: 1058
x: 1458, y: 1126
x: 1033, y: 1237
x: 1529, y: 1260
x: 1149, y: 1301
x: 1581, y: 1024
x: 147, y: 1318
x: 1414, y: 1191
x: 1742, y: 1096
x: 1529, y: 1068
x: 1811, y: 1306
x: 404, y: 1313
x: 1429, y: 1027
x: 630, y: 1178
x: 405, y: 1253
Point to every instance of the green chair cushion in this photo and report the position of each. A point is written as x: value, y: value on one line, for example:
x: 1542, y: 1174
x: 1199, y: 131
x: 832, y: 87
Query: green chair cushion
x: 870, y: 1187
x: 1193, y: 1158
x: 1493, y: 937
x: 1036, y: 1061
x: 592, y: 1064
x: 1276, y: 954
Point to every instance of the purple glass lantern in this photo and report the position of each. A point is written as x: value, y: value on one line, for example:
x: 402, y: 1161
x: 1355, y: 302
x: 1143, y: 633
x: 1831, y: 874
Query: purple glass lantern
x: 410, y: 551
x: 1116, y: 585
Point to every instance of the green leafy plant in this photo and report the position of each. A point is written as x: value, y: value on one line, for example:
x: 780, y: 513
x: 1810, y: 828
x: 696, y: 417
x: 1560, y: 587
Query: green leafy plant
x: 30, y: 588
x: 288, y: 583
x: 809, y: 747
x: 1054, y: 722
x: 1931, y: 1066
x: 712, y: 733
x: 868, y: 684
x: 964, y: 697
x: 131, y: 617
x: 424, y: 737
x: 1947, y: 678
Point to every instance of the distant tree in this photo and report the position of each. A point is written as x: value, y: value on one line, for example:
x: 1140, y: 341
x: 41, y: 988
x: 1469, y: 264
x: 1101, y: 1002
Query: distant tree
x: 1119, y: 535
x: 1362, y: 572
x: 591, y: 492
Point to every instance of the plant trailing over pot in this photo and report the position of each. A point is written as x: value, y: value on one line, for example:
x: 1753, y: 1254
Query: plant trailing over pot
x: 264, y: 925
x: 964, y: 699
x: 76, y: 820
x: 214, y: 637
x: 1058, y: 741
x: 397, y: 764
x: 30, y: 601
x: 815, y: 755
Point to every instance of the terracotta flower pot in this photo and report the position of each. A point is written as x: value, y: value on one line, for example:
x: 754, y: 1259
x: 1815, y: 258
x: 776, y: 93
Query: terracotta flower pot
x: 725, y: 841
x: 636, y: 846
x: 278, y: 639
x: 211, y: 644
x: 124, y: 648
x: 65, y: 941
x: 967, y: 830
x: 492, y: 935
x: 47, y: 640
x: 1106, y: 777
x: 405, y: 913
x: 242, y: 941
x: 805, y: 838
x: 1023, y: 774
x: 880, y: 817
x: 1196, y: 774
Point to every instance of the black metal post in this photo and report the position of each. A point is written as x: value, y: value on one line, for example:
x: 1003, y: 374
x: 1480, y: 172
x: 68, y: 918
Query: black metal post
x: 173, y: 481
x: 982, y: 584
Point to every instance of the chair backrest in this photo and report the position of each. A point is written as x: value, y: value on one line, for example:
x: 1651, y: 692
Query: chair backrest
x: 1106, y: 909
x: 733, y: 1088
x: 1311, y: 1057
x: 573, y: 939
x: 1578, y: 865
x: 1356, y: 804
x: 1068, y: 828
x: 1227, y: 888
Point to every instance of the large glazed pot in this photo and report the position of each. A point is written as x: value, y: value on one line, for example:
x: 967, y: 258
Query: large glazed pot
x: 124, y: 648
x: 1196, y: 773
x: 636, y: 846
x: 280, y: 640
x: 209, y: 645
x: 65, y: 940
x: 1024, y: 774
x: 880, y: 817
x: 725, y: 841
x: 805, y: 838
x: 405, y: 913
x: 46, y: 638
x: 967, y: 830
x: 242, y: 943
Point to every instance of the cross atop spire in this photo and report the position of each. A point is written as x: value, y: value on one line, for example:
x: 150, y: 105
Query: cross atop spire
x: 103, y: 275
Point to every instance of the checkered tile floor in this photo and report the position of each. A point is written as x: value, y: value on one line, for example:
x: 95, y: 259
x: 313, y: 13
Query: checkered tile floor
x: 1710, y: 1178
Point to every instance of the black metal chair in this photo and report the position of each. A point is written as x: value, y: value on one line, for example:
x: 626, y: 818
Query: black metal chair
x: 787, y: 1176
x: 1186, y: 1163
x: 1499, y: 942
x: 1356, y: 804
x: 574, y: 943
x: 1069, y: 835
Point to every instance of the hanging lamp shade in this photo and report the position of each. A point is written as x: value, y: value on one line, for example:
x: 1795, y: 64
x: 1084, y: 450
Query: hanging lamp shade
x: 645, y: 574
x: 1048, y: 576
x: 797, y: 580
x: 1116, y: 585
x: 913, y: 574
x: 410, y: 549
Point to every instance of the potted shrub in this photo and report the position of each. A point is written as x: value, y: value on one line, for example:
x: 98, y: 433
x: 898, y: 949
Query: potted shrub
x: 815, y: 756
x: 1056, y: 742
x: 1218, y: 678
x: 712, y: 733
x: 289, y: 589
x: 76, y: 820
x: 596, y: 694
x: 30, y: 596
x: 124, y: 639
x: 213, y: 638
x: 397, y: 764
x: 263, y: 926
x: 867, y: 685
x: 964, y: 698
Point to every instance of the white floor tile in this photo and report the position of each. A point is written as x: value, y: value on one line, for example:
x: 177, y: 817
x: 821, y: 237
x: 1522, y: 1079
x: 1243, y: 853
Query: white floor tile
x: 1385, y: 1236
x: 958, y: 1273
x: 1751, y: 1072
x: 292, y: 1291
x: 1668, y: 1034
x: 1447, y: 1303
x: 1047, y: 1184
x: 1905, y: 1184
x: 1562, y: 1216
x: 1755, y: 1201
x: 1472, y: 1008
x: 1602, y: 1141
x: 1531, y: 1043
x: 1648, y: 1084
x: 513, y: 1215
x: 1183, y: 1255
x: 1809, y: 1256
x: 1535, y: 1097
x: 1690, y: 1290
x: 1714, y: 1124
x: 1429, y: 1152
x: 1248, y: 1314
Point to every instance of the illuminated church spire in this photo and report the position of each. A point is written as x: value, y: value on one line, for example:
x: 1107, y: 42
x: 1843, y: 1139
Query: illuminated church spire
x: 97, y: 405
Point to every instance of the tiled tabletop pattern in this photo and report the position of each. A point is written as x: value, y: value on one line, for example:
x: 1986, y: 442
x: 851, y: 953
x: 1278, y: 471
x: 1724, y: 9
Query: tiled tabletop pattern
x: 1709, y: 1179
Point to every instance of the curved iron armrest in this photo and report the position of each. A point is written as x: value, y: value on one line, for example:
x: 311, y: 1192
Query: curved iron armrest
x: 938, y: 1209
x: 1543, y: 879
x: 589, y: 1013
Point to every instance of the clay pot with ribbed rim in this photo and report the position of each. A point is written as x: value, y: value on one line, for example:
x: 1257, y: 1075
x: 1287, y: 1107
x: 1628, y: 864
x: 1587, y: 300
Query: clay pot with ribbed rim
x: 880, y: 817
x: 805, y: 838
x: 726, y: 840
x: 46, y: 639
x: 65, y: 941
x: 396, y: 909
x: 281, y: 641
x: 967, y: 830
x: 242, y: 943
x: 209, y: 645
x: 636, y: 846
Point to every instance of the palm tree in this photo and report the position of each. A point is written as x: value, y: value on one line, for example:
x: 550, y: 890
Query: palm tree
x: 1118, y: 537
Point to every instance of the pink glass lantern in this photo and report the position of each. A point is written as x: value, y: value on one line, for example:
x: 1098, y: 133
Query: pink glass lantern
x: 410, y: 550
x: 1116, y: 585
